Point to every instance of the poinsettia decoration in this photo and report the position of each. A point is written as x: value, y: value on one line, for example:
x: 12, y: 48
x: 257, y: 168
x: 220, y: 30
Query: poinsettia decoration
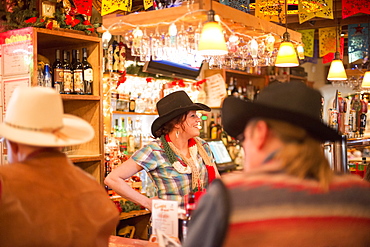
x: 20, y: 14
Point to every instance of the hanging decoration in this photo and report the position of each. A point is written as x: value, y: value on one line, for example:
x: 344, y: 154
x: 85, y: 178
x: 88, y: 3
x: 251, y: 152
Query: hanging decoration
x: 330, y: 56
x: 84, y: 7
x: 308, y: 9
x: 327, y: 40
x: 315, y: 54
x: 270, y: 10
x: 108, y: 6
x: 308, y: 37
x: 242, y: 5
x: 358, y: 40
x: 148, y: 4
x: 352, y: 7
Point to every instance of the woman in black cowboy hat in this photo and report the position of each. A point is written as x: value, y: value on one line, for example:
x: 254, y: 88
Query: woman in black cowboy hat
x: 178, y: 161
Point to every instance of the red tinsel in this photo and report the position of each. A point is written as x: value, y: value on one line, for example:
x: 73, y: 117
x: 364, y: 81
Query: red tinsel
x: 198, y: 83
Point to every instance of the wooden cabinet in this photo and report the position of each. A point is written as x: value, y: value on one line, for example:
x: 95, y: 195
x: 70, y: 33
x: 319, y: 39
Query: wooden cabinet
x: 44, y: 42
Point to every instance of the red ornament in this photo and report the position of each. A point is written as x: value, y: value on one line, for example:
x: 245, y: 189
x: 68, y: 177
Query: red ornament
x: 31, y: 20
x: 49, y: 25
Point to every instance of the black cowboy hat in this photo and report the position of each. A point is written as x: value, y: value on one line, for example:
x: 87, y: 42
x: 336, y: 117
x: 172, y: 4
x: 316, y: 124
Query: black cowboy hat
x: 292, y: 102
x: 174, y: 105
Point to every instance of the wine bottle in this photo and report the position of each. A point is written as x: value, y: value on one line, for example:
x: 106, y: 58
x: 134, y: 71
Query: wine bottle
x: 67, y: 74
x: 58, y: 73
x: 78, y: 85
x: 88, y: 73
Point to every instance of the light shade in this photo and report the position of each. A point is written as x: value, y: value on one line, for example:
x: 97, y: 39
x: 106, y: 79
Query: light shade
x: 286, y: 57
x: 106, y: 38
x: 212, y: 40
x: 366, y: 80
x: 337, y: 71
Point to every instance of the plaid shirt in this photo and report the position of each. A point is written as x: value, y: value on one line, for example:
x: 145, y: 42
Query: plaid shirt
x: 170, y: 184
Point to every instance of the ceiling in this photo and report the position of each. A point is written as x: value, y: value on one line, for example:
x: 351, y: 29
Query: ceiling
x: 317, y: 22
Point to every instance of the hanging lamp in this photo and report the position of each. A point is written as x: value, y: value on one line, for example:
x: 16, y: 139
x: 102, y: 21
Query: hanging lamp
x: 337, y: 71
x: 287, y: 56
x: 212, y: 40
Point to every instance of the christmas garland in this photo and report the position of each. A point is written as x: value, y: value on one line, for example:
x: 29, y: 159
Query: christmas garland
x: 17, y: 15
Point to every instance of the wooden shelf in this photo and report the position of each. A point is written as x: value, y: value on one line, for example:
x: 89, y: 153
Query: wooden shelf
x: 85, y: 158
x: 134, y: 113
x: 132, y: 214
x: 79, y: 97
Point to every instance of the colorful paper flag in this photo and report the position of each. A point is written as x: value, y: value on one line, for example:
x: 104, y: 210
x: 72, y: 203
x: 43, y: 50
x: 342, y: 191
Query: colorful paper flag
x: 309, y: 9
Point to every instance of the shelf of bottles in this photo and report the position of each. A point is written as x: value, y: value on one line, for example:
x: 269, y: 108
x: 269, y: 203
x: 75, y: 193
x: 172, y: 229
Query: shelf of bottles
x: 68, y: 75
x: 348, y: 115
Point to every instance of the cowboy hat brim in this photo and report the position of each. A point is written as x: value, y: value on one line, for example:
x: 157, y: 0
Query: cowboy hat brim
x: 236, y: 113
x: 176, y: 112
x: 74, y: 131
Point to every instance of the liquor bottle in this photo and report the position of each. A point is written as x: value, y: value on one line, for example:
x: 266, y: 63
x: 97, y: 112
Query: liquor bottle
x: 212, y: 128
x: 218, y: 126
x: 138, y: 136
x: 117, y: 133
x: 230, y: 86
x: 363, y: 115
x: 132, y: 104
x: 58, y: 73
x: 88, y: 73
x: 234, y: 91
x: 78, y: 85
x: 140, y: 104
x: 130, y: 137
x: 123, y: 141
x: 47, y: 76
x: 67, y: 74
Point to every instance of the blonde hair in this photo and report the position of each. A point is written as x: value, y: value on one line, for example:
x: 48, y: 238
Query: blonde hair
x: 301, y: 156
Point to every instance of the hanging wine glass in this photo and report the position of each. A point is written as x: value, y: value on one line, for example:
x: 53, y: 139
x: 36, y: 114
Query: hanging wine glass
x: 253, y: 47
x: 136, y: 43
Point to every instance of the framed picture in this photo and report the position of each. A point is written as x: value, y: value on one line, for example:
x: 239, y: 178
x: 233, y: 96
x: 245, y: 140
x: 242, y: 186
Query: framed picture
x: 48, y: 9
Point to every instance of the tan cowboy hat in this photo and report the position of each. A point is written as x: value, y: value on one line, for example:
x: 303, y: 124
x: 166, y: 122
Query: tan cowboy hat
x: 34, y: 116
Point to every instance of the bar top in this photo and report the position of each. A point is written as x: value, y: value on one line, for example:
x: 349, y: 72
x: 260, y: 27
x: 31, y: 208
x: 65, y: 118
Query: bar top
x: 115, y: 241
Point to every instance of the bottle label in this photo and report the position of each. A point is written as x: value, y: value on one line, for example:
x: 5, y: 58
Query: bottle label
x: 88, y: 75
x: 78, y: 81
x: 68, y: 81
x: 58, y: 75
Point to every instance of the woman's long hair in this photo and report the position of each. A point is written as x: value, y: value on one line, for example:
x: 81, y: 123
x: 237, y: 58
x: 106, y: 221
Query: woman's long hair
x: 301, y: 156
x: 168, y: 127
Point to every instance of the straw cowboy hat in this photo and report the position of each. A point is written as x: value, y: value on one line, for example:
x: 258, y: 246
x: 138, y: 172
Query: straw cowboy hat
x: 174, y: 105
x: 292, y: 102
x: 34, y: 116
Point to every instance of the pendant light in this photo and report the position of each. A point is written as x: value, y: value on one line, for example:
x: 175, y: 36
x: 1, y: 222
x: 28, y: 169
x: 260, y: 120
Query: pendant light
x: 287, y: 56
x: 337, y: 71
x: 212, y: 40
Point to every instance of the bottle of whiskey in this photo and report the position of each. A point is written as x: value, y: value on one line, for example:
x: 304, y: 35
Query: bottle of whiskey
x: 77, y: 66
x: 67, y: 74
x: 58, y: 73
x: 88, y: 73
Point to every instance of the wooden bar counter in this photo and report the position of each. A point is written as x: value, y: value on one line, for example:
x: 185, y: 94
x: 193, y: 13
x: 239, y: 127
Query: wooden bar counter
x: 115, y: 241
